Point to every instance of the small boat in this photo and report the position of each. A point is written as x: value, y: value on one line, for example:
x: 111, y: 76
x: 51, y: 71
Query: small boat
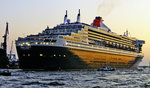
x: 106, y: 68
x: 5, y: 73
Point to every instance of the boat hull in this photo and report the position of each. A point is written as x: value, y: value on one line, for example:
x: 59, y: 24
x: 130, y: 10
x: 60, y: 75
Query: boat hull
x: 55, y: 58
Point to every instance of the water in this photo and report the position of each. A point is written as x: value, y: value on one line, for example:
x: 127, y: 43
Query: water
x: 76, y: 79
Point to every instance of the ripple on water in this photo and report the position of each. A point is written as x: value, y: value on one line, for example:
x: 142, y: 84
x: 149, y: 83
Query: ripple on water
x: 76, y: 79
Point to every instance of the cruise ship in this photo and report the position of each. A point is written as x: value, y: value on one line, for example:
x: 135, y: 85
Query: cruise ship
x: 77, y: 45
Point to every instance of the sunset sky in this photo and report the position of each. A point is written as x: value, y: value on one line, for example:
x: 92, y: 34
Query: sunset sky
x: 27, y: 17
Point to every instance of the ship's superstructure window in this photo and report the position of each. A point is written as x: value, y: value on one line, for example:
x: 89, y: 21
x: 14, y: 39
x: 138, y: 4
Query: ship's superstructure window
x: 54, y: 40
x: 39, y: 43
x: 47, y: 40
x: 68, y: 30
x: 32, y: 43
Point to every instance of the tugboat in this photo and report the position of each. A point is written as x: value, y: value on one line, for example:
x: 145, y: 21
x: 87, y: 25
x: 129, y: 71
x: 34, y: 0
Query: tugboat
x: 106, y: 68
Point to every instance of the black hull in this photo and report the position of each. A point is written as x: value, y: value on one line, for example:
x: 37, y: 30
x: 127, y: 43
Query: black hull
x: 53, y: 58
x: 56, y: 58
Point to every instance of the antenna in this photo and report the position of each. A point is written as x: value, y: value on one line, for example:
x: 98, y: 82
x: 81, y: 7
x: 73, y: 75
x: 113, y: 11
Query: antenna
x: 47, y: 27
x: 124, y: 34
x: 127, y: 33
x: 66, y: 12
x: 130, y: 34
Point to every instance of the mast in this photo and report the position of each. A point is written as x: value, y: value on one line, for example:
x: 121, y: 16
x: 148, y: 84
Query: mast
x: 78, y: 17
x: 65, y: 18
x: 5, y: 39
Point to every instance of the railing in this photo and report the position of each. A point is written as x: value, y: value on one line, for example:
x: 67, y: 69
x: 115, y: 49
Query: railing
x: 94, y: 47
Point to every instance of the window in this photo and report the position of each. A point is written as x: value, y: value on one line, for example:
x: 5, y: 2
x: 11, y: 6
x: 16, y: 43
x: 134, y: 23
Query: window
x: 64, y: 55
x: 24, y: 55
x: 41, y: 55
x: 28, y: 54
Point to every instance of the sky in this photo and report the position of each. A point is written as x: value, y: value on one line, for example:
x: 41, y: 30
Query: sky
x: 27, y: 17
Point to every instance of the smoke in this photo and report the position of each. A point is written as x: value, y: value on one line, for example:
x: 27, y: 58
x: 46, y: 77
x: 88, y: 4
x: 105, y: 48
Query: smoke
x: 106, y: 7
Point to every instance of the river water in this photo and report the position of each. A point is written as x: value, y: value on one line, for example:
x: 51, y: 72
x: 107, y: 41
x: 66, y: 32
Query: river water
x: 76, y: 79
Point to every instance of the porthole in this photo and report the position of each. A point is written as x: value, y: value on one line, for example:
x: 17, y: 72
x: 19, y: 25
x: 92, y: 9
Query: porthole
x: 28, y: 54
x: 24, y: 55
x: 41, y: 54
x: 64, y: 55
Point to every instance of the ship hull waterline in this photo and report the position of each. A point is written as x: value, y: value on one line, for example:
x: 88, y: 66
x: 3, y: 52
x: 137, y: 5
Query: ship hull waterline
x: 64, y: 58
